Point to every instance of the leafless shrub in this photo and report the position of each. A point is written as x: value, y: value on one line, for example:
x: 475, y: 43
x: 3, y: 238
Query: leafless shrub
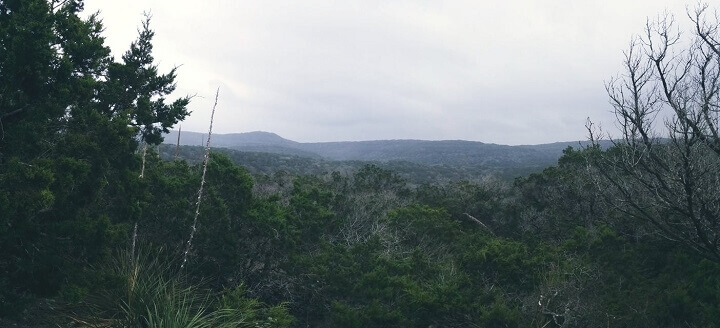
x: 664, y: 167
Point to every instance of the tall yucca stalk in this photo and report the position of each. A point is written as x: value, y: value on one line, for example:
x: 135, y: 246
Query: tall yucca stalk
x: 177, y: 145
x: 142, y: 170
x: 202, y: 183
x: 135, y: 228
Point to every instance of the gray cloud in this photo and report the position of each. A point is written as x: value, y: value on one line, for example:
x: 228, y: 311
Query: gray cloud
x: 512, y: 72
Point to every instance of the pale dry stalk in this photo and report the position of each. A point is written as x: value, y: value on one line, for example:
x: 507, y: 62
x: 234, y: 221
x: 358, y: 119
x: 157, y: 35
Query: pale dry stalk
x: 142, y: 171
x: 177, y: 145
x: 134, y: 237
x: 206, y: 159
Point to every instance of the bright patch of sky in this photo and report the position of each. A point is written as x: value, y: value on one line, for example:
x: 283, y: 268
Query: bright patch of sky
x: 508, y: 72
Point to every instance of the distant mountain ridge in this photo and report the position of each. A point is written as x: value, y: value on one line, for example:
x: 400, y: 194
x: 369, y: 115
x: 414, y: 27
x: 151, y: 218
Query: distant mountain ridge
x: 229, y: 139
x: 445, y: 152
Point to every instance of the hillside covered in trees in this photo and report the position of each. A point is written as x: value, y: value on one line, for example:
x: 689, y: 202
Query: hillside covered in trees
x: 417, y: 161
x: 268, y: 163
x: 455, y: 153
x: 102, y: 226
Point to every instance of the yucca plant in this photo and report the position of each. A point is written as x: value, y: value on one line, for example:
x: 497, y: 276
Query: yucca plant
x: 149, y: 293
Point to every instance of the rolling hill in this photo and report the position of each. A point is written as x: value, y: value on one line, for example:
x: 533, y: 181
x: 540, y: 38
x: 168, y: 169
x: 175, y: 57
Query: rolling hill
x: 445, y: 152
x: 417, y: 160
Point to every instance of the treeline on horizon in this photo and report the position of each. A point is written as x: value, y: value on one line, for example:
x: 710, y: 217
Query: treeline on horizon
x: 265, y: 163
x: 98, y: 230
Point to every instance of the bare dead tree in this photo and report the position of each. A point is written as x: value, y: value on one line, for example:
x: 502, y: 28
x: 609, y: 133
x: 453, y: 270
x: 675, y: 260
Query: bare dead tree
x: 478, y: 222
x: 565, y: 297
x: 665, y: 168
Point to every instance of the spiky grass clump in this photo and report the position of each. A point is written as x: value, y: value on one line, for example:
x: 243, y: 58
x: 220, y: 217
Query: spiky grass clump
x: 150, y: 294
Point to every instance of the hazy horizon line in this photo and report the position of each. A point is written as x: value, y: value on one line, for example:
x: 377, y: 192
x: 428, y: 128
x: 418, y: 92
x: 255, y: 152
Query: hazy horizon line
x: 372, y: 140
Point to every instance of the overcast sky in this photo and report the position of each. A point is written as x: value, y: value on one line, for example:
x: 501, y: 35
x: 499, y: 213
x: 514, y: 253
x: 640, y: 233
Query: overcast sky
x: 509, y: 72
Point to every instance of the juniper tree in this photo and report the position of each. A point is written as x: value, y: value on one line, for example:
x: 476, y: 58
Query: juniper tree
x: 70, y: 116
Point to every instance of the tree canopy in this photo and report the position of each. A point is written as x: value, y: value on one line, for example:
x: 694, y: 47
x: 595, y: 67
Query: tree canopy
x: 93, y: 231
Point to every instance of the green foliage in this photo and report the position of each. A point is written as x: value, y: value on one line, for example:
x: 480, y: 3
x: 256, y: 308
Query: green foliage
x: 269, y: 160
x: 136, y: 89
x: 68, y: 166
x: 236, y: 304
x: 310, y: 215
x: 357, y: 247
x: 146, y: 291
